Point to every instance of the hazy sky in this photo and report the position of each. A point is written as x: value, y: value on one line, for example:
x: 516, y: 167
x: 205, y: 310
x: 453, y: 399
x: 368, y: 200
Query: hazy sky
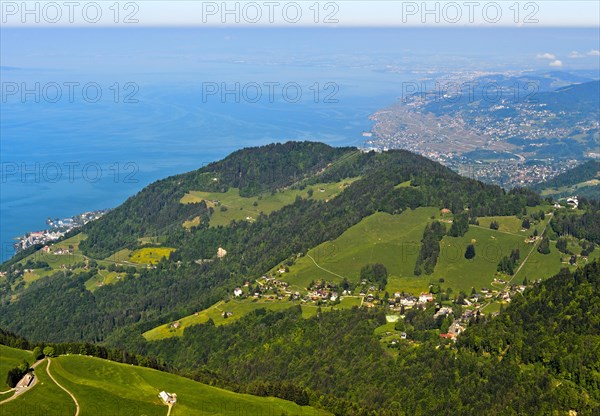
x: 303, y: 12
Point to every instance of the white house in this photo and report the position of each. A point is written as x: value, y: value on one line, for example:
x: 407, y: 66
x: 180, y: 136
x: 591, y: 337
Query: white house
x: 237, y: 292
x: 425, y: 297
x: 168, y: 398
x: 573, y: 201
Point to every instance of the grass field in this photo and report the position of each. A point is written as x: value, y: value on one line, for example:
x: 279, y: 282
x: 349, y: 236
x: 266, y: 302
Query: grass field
x: 215, y: 312
x: 55, y: 261
x: 10, y: 358
x: 240, y: 208
x: 103, y: 387
x: 119, y: 256
x: 393, y: 240
x: 45, y: 398
x: 106, y: 388
x: 196, y: 221
x: 150, y: 255
x: 238, y: 308
x: 347, y: 302
x: 506, y: 224
x: 490, y: 246
x: 103, y: 277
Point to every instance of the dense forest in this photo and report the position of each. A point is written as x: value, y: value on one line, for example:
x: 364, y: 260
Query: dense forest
x: 61, y: 309
x: 585, y: 226
x: 538, y: 357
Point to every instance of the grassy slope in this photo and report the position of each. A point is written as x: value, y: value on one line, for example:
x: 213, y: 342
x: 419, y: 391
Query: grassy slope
x: 105, y: 387
x: 10, y: 358
x: 46, y: 398
x: 490, y: 246
x: 54, y: 261
x: 239, y: 308
x: 574, y: 189
x: 240, y: 208
x: 150, y: 255
x: 393, y: 240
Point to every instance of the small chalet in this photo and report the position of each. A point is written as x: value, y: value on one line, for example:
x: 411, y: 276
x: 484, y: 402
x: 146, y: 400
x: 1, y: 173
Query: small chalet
x: 168, y: 398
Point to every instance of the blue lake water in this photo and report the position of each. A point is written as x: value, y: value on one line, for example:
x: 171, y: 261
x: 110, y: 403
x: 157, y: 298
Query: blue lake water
x: 61, y: 154
x: 63, y: 158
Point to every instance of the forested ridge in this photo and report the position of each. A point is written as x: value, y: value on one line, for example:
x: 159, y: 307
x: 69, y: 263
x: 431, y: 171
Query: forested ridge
x: 584, y: 172
x: 61, y: 309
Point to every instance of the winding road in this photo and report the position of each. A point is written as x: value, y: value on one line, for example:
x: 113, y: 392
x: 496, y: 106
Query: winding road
x: 67, y: 391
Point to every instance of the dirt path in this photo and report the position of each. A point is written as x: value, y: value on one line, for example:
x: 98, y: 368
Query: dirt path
x: 325, y: 270
x: 67, y: 391
x: 498, y: 231
x: 534, y: 247
x: 537, y: 243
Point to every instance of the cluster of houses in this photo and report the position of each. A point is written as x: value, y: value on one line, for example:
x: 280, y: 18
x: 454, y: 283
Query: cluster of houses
x: 406, y: 301
x: 455, y: 329
x: 58, y: 251
x: 37, y: 237
x: 59, y: 227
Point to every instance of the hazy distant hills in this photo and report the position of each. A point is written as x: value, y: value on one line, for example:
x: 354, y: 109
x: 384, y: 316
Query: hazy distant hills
x: 583, y: 180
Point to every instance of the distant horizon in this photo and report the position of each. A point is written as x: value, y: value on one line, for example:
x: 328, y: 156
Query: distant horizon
x: 341, y: 13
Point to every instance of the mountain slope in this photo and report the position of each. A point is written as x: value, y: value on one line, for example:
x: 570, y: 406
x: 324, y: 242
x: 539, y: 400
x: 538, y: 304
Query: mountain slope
x: 60, y: 308
x: 537, y: 357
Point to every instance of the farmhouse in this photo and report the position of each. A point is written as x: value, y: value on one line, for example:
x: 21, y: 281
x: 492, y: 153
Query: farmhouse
x: 237, y: 292
x: 25, y: 381
x: 168, y: 398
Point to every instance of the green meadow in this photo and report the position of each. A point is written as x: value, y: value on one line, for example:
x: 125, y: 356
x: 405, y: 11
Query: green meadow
x: 490, y: 246
x: 393, y: 240
x: 239, y: 308
x: 570, y: 189
x: 150, y: 255
x: 10, y: 358
x: 230, y: 206
x: 55, y: 261
x: 105, y: 387
x: 45, y: 398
